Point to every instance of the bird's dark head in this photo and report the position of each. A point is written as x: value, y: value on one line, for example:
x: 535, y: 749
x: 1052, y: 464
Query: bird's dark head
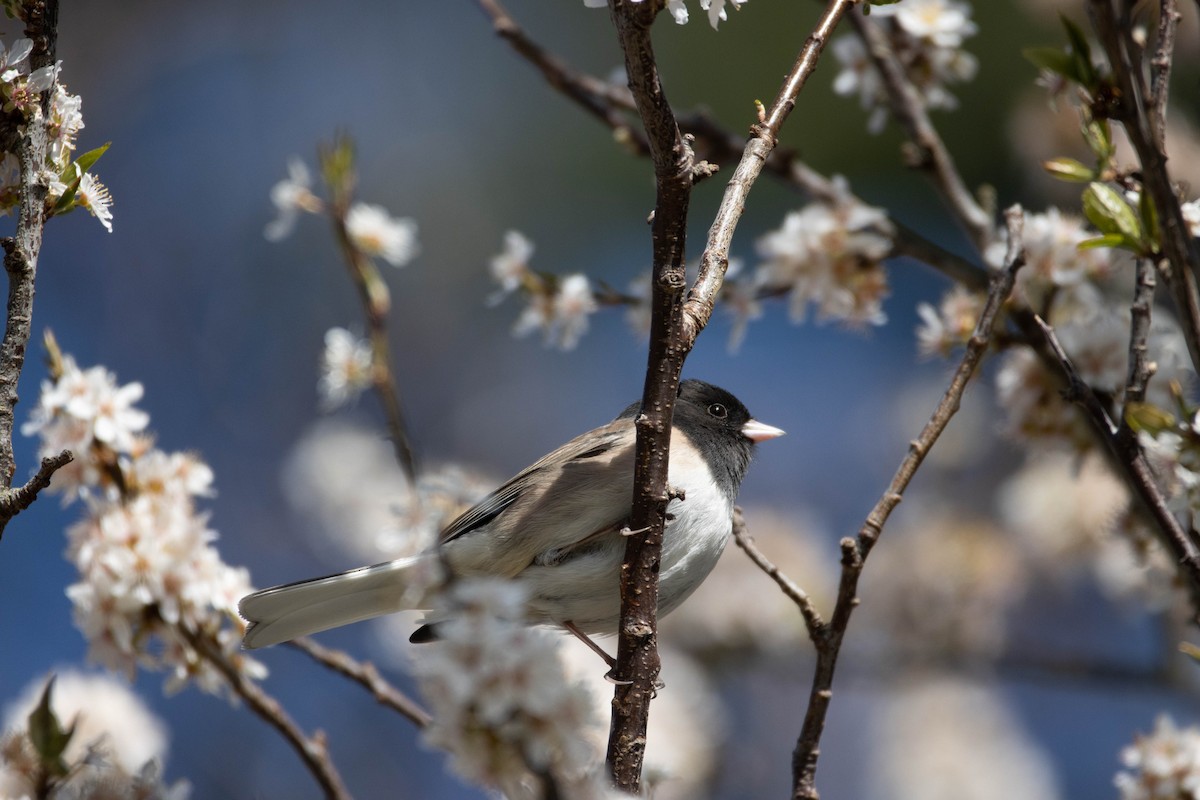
x: 721, y: 427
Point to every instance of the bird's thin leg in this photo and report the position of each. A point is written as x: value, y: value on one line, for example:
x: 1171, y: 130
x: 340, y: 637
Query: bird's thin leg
x: 597, y: 649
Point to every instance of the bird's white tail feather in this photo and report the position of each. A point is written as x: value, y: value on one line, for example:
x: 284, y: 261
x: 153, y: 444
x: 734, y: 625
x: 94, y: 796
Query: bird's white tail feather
x: 298, y: 609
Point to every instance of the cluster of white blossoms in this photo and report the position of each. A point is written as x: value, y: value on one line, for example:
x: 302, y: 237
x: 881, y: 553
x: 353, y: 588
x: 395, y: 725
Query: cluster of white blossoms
x: 501, y: 703
x: 829, y: 254
x: 370, y: 228
x: 714, y: 8
x: 116, y: 747
x: 21, y: 90
x: 150, y: 579
x: 927, y: 37
x: 558, y: 306
x: 1174, y: 450
x: 1164, y: 765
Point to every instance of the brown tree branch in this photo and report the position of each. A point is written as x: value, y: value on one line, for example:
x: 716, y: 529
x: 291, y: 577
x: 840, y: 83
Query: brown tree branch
x: 28, y: 140
x: 312, y: 750
x: 367, y: 676
x: 674, y: 328
x: 636, y: 672
x: 1138, y: 112
x: 812, y: 617
x: 855, y: 551
x: 933, y: 154
x: 1160, y: 68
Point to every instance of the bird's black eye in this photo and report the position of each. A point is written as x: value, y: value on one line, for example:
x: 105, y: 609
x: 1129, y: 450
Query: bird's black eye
x: 719, y: 411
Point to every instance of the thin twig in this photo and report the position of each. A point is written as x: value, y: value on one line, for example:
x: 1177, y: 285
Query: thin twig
x: 376, y: 303
x: 1132, y: 461
x: 1140, y: 368
x: 855, y: 551
x: 365, y: 674
x: 28, y: 139
x: 714, y: 262
x: 1139, y: 118
x: 934, y: 156
x: 812, y: 617
x: 312, y: 750
x: 1160, y: 68
x: 604, y: 100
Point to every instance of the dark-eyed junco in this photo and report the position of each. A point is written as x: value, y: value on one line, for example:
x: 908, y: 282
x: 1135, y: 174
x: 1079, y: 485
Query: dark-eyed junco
x: 557, y: 528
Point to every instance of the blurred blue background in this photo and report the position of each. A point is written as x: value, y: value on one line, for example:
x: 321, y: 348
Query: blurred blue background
x: 205, y: 102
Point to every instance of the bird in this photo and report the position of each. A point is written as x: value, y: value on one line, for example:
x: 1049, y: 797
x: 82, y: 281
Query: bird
x: 558, y: 527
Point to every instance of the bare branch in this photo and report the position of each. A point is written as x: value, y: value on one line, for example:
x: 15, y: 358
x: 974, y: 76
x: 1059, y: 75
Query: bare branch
x: 365, y: 674
x: 312, y: 750
x: 638, y: 662
x: 715, y: 260
x: 1160, y: 68
x: 855, y: 551
x: 934, y: 157
x: 14, y: 501
x: 812, y: 617
x: 28, y: 140
x: 376, y: 304
x: 1140, y: 369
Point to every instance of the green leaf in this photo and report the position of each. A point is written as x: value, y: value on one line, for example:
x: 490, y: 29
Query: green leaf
x: 1068, y: 169
x: 1053, y: 59
x: 88, y: 159
x: 1149, y: 216
x: 1190, y: 650
x: 49, y: 738
x: 1098, y: 136
x: 1107, y: 240
x: 1107, y: 210
x: 1148, y: 417
x: 1081, y: 53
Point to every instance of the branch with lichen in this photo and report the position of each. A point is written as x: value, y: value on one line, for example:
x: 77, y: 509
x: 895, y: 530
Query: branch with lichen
x: 28, y: 139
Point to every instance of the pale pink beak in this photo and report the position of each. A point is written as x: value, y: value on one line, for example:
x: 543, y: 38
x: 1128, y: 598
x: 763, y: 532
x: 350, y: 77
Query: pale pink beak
x: 757, y: 431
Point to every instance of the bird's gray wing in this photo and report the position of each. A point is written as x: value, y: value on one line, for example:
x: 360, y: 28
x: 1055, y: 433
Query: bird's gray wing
x: 582, y: 487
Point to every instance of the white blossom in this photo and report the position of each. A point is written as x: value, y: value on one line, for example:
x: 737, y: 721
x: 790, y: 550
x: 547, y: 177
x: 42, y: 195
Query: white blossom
x: 829, y: 254
x: 1054, y: 264
x: 1191, y: 215
x: 95, y: 197
x: 345, y: 368
x: 79, y: 408
x: 679, y: 12
x: 148, y: 571
x: 291, y: 196
x: 1164, y: 765
x: 511, y: 265
x: 501, y: 703
x: 376, y: 233
x: 926, y: 37
x: 949, y: 325
x: 561, y: 315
